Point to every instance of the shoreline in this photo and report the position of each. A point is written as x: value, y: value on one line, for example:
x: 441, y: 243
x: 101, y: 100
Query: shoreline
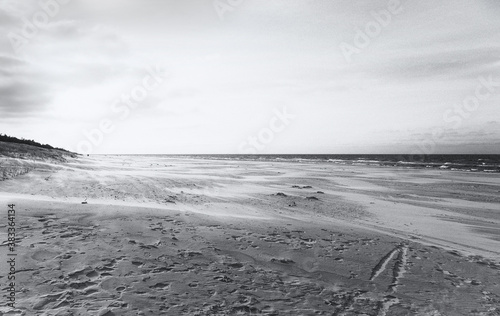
x: 359, y: 161
x: 203, y: 232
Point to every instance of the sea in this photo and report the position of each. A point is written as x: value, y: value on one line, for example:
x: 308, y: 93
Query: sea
x: 469, y: 163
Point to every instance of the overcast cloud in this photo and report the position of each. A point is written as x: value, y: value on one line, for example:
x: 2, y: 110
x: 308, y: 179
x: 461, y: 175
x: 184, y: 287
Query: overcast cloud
x: 224, y: 77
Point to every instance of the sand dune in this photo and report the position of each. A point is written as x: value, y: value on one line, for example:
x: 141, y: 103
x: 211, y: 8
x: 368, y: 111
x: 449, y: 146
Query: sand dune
x: 171, y: 236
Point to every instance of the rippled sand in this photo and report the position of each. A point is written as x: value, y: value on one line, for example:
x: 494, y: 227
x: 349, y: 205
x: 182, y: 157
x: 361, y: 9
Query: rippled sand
x: 170, y: 236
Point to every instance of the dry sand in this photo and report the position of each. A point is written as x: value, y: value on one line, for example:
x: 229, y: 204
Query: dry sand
x: 172, y: 236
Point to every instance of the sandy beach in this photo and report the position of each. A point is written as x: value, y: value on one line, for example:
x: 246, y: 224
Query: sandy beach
x: 163, y: 235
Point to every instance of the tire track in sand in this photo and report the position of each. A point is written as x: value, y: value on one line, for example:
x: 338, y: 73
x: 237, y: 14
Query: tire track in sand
x: 382, y: 264
x: 399, y: 268
x: 398, y: 271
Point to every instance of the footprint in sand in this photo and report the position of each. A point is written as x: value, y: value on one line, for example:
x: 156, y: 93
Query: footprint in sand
x: 43, y: 255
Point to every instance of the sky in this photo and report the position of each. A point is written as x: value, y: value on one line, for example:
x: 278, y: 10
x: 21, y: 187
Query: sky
x: 252, y: 76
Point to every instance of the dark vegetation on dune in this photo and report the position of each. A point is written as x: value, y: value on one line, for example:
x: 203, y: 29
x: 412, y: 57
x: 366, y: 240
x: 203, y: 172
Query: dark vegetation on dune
x: 20, y: 156
x: 10, y: 139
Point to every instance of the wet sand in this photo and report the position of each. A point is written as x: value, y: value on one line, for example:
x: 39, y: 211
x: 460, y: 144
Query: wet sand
x: 171, y: 236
